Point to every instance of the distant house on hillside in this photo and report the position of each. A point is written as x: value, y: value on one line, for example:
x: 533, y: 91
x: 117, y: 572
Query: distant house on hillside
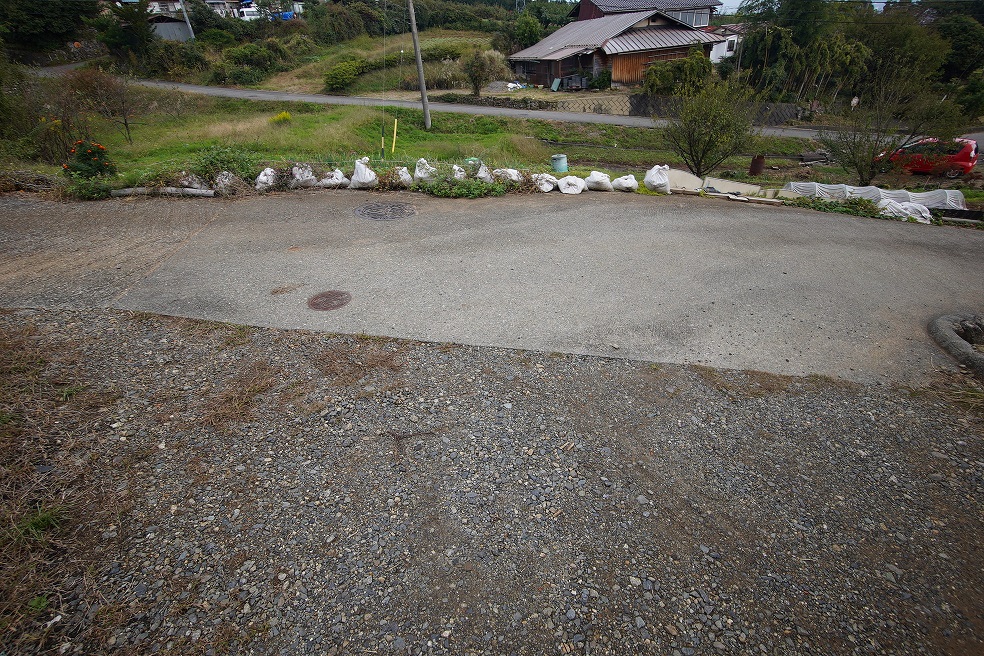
x: 623, y: 36
x: 733, y: 33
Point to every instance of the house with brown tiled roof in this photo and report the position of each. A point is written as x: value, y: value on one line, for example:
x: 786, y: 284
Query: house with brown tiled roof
x: 623, y: 36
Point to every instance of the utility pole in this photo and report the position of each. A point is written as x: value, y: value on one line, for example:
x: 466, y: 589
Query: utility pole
x: 420, y: 66
x: 187, y: 22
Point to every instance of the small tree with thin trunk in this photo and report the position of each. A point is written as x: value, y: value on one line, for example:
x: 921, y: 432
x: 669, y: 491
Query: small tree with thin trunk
x: 482, y: 67
x: 711, y: 125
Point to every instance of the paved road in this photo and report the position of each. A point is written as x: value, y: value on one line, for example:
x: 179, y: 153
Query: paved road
x: 543, y: 115
x: 675, y: 279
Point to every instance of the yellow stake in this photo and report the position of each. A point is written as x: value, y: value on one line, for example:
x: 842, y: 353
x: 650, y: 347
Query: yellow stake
x: 393, y: 150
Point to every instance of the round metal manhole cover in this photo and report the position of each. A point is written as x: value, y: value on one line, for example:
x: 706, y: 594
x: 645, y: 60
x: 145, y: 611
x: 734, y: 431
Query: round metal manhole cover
x: 385, y: 211
x: 331, y: 300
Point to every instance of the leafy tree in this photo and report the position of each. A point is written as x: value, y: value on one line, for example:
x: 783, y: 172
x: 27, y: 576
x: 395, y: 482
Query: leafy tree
x: 44, y: 25
x: 129, y: 36
x: 687, y: 75
x: 966, y: 38
x: 528, y: 30
x: 712, y: 125
x: 482, y: 67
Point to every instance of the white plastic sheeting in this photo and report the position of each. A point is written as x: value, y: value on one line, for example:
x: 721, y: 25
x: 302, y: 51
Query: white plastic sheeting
x: 940, y: 198
x: 905, y: 211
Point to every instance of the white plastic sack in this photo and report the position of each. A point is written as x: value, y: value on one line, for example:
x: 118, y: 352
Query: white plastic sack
x: 403, y: 176
x: 226, y: 183
x: 571, y: 185
x: 424, y: 172
x: 303, y: 176
x: 544, y: 182
x: 334, y: 180
x: 657, y: 180
x: 507, y: 175
x: 484, y: 175
x: 266, y: 179
x: 625, y: 183
x: 904, y: 211
x: 598, y: 181
x: 458, y: 172
x: 191, y: 181
x: 364, y: 177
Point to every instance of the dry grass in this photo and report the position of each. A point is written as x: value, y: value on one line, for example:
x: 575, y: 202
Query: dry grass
x: 41, y: 544
x: 236, y: 402
x: 344, y: 365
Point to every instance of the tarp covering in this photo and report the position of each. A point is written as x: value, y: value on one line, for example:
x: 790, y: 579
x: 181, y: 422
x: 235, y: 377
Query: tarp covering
x: 940, y: 198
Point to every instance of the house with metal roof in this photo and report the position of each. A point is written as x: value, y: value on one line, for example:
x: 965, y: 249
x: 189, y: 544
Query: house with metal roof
x: 623, y: 36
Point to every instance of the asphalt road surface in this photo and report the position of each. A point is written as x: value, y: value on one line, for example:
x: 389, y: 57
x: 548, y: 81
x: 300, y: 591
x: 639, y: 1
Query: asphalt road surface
x: 674, y: 279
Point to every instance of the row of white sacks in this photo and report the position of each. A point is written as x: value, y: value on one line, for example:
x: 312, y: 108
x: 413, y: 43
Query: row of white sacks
x: 365, y: 178
x: 939, y: 198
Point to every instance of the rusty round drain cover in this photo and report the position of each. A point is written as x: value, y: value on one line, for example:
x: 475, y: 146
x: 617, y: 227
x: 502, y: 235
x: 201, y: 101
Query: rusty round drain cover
x: 385, y: 211
x: 330, y: 300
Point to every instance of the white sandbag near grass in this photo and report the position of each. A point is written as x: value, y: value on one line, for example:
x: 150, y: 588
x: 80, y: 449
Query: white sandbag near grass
x: 571, y: 184
x: 191, y: 181
x: 302, y: 176
x: 266, y: 179
x: 334, y: 180
x: 657, y: 180
x: 424, y: 172
x: 905, y: 210
x: 544, y: 182
x: 507, y: 175
x: 598, y: 181
x: 403, y: 177
x: 364, y: 177
x: 227, y: 183
x: 458, y: 173
x: 484, y: 175
x: 625, y: 183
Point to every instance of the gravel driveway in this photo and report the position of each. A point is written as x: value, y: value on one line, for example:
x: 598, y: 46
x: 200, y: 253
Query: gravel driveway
x: 262, y: 490
x: 288, y: 492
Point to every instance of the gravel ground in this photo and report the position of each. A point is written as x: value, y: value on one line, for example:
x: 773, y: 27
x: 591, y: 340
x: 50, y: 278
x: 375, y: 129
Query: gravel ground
x: 288, y: 492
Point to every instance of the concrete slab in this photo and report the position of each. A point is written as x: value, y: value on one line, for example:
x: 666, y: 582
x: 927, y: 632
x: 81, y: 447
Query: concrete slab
x: 732, y: 187
x: 785, y: 193
x: 665, y: 279
x: 683, y: 180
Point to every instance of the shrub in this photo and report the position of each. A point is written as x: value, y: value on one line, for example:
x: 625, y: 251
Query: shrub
x: 244, y: 75
x: 281, y: 118
x: 212, y: 161
x: 250, y: 55
x: 853, y: 206
x: 217, y: 38
x: 461, y: 189
x: 87, y: 188
x: 342, y: 75
x: 89, y: 160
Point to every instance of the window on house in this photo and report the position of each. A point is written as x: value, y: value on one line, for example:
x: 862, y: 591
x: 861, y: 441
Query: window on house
x: 698, y: 18
x: 731, y: 45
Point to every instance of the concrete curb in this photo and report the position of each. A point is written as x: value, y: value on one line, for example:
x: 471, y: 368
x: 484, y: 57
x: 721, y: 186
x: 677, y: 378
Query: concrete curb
x: 943, y: 330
